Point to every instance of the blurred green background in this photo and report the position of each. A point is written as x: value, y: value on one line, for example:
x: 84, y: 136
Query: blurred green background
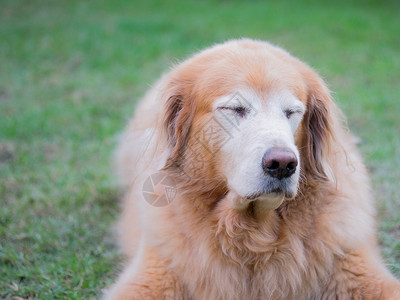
x: 71, y: 73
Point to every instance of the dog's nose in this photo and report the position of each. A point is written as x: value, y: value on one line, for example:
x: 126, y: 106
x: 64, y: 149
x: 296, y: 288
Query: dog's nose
x: 279, y: 162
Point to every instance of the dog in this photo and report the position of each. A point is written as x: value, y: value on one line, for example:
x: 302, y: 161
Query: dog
x: 242, y: 182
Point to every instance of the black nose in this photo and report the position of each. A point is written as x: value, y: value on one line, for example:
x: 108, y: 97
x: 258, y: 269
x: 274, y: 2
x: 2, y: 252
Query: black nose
x: 279, y: 162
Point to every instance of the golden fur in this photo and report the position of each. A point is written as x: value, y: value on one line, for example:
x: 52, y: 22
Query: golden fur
x: 319, y: 245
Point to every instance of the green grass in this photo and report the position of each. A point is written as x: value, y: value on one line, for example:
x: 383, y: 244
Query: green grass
x: 71, y: 73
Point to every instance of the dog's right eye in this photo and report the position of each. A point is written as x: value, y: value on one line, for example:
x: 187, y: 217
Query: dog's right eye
x: 241, y: 111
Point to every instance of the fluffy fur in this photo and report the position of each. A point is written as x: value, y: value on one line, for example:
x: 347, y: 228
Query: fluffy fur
x: 220, y: 237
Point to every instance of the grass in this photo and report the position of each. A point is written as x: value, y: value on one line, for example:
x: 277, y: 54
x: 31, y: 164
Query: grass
x: 71, y: 73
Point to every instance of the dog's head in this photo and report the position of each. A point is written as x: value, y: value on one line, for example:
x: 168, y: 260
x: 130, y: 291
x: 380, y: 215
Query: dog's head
x: 247, y: 118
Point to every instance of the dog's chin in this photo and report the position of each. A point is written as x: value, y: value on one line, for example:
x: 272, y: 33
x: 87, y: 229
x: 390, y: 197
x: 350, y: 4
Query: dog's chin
x: 266, y: 200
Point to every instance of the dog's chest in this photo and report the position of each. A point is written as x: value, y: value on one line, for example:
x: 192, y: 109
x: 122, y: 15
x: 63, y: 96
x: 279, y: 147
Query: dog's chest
x: 287, y: 273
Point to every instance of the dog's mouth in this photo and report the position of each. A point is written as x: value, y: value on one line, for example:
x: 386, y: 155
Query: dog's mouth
x: 276, y: 192
x: 274, y: 189
x: 268, y: 197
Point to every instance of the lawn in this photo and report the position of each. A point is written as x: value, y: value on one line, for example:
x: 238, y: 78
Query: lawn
x: 71, y: 73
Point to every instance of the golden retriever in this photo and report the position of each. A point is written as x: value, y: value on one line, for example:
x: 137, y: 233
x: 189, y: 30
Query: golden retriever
x: 242, y: 183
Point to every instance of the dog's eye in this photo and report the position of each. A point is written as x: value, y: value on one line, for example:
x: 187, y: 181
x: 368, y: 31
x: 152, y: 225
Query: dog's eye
x: 241, y: 111
x: 289, y: 113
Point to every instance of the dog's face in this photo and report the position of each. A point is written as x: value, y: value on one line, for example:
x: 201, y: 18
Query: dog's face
x: 260, y: 159
x: 250, y: 116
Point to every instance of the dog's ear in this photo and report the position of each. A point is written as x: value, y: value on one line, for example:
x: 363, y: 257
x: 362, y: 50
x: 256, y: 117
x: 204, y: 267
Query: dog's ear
x: 318, y: 130
x: 177, y: 120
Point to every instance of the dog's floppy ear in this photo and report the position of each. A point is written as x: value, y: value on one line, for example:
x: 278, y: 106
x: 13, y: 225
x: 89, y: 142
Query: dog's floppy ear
x: 318, y: 130
x: 177, y: 120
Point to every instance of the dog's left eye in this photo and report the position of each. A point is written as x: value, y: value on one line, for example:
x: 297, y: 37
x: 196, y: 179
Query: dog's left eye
x: 288, y: 113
